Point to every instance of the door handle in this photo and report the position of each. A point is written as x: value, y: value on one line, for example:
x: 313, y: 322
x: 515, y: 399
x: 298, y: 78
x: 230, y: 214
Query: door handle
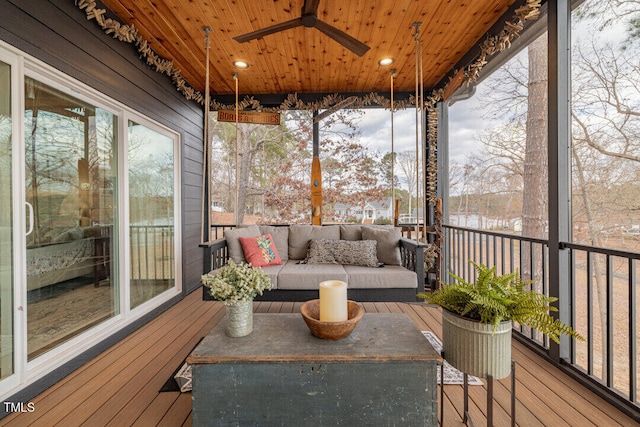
x: 30, y: 218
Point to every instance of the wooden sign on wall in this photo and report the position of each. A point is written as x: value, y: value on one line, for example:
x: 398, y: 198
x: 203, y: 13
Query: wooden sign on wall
x: 256, y: 117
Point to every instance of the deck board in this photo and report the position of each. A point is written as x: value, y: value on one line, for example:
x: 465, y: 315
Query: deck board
x: 120, y: 386
x: 134, y: 383
x: 178, y: 412
x: 53, y: 404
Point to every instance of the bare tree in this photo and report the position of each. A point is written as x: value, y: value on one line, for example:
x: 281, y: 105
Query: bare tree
x: 516, y: 96
x: 606, y: 143
x: 275, y: 165
x: 406, y: 162
x: 535, y: 197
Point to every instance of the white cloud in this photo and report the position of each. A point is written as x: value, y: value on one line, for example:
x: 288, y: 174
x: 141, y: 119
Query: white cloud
x: 465, y: 120
x: 375, y: 126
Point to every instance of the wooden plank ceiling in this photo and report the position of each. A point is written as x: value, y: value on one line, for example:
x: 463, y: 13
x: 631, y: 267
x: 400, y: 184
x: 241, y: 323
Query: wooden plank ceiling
x: 305, y: 60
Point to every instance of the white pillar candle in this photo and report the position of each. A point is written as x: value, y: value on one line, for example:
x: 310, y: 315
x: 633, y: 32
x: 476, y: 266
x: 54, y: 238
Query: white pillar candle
x: 333, y: 301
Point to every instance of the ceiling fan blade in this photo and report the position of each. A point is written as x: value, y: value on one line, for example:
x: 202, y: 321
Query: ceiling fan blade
x: 353, y: 44
x: 310, y: 7
x: 269, y: 30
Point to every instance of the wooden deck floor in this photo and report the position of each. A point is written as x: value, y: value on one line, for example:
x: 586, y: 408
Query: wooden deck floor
x: 120, y: 386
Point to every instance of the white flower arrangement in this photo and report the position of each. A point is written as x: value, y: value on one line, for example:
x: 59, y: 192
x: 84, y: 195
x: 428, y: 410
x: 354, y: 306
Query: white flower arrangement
x: 236, y: 283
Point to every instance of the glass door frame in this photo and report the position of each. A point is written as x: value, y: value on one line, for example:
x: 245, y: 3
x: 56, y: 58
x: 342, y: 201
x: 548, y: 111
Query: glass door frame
x: 123, y: 200
x: 18, y: 221
x: 60, y: 354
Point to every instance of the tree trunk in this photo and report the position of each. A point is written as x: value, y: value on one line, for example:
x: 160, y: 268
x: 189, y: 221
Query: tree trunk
x: 243, y: 171
x: 534, y: 204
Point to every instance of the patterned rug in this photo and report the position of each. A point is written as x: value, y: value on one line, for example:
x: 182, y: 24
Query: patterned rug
x: 180, y: 379
x: 451, y: 374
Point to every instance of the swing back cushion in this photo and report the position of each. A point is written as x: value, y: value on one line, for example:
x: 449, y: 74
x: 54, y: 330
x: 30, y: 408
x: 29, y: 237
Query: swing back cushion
x: 296, y: 268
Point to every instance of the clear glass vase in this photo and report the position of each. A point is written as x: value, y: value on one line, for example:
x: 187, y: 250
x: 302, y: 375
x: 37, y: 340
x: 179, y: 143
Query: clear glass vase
x: 239, y: 319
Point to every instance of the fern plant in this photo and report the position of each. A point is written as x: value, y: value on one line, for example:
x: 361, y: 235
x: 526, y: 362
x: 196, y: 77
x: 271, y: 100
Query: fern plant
x: 495, y: 298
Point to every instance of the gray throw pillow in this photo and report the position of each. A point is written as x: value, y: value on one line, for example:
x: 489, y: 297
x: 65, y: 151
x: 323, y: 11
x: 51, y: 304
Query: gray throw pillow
x: 360, y: 252
x: 388, y: 240
x: 301, y: 234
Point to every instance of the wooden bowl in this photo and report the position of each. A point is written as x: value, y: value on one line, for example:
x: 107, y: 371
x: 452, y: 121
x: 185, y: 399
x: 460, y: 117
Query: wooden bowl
x: 310, y: 311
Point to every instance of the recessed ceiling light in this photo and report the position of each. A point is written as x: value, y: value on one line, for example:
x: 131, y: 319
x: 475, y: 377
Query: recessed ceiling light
x: 385, y: 61
x: 240, y: 64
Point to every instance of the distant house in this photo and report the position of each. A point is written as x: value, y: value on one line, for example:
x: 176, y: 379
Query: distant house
x: 369, y: 213
x: 342, y: 211
x: 377, y: 210
x: 217, y: 206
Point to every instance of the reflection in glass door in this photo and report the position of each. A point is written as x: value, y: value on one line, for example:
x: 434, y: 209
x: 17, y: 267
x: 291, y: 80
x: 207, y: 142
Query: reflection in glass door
x: 70, y: 185
x: 7, y: 347
x: 151, y: 213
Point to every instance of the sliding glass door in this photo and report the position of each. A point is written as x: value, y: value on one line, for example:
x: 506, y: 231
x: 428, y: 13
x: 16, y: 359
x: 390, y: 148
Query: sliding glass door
x: 70, y: 188
x: 7, y: 346
x: 89, y: 200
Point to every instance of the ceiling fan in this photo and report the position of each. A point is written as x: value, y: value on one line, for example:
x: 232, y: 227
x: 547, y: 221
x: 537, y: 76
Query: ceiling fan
x: 309, y: 19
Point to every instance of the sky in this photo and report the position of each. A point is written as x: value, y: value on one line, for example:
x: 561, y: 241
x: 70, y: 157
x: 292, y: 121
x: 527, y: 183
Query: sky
x: 376, y: 130
x: 465, y: 120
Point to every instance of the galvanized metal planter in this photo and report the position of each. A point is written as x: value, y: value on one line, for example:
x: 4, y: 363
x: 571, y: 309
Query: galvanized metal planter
x: 475, y: 348
x: 239, y: 319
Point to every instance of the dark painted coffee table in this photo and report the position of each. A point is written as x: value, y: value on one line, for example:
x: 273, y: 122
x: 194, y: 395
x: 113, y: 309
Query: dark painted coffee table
x: 384, y: 373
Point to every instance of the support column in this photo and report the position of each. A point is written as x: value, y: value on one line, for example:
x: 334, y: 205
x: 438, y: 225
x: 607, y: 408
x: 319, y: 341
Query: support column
x: 559, y: 117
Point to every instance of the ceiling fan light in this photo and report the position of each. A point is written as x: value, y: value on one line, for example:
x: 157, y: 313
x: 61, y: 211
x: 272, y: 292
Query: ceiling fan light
x: 240, y: 64
x: 385, y: 61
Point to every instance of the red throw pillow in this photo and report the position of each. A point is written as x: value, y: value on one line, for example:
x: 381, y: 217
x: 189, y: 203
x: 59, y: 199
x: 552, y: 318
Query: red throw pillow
x: 260, y: 251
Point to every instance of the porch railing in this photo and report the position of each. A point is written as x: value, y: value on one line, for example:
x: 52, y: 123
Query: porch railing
x: 602, y: 284
x: 152, y: 252
x: 604, y: 288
